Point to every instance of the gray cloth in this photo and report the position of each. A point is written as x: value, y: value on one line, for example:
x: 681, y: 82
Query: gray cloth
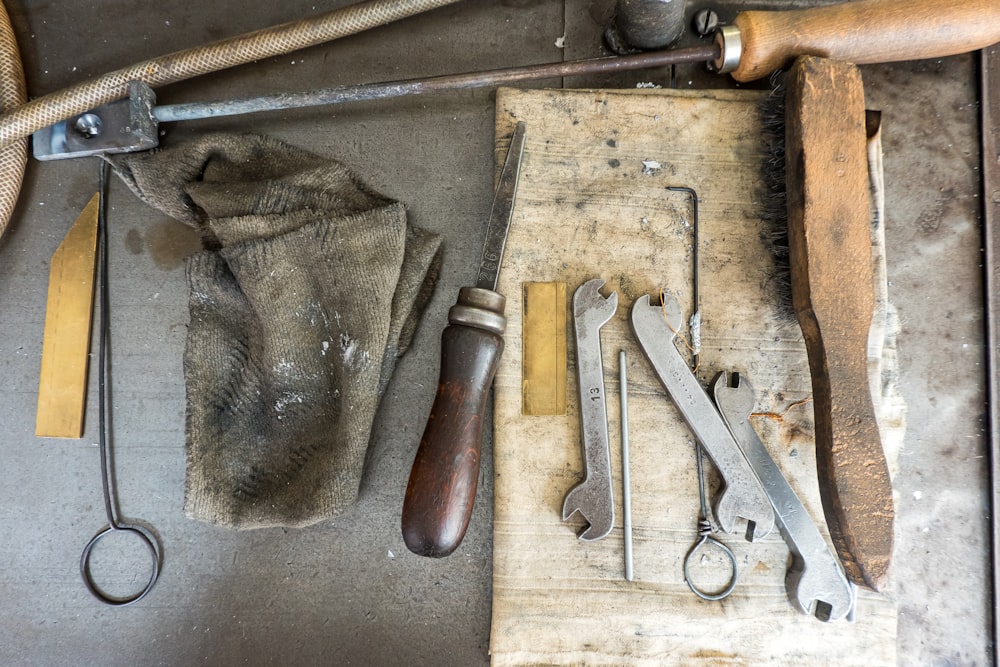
x: 310, y: 287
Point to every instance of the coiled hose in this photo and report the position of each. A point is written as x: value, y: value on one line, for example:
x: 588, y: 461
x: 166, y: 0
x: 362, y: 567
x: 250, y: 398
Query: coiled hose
x: 19, y: 118
x: 13, y: 94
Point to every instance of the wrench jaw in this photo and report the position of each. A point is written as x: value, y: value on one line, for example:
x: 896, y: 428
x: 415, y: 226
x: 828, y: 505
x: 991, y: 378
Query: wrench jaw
x: 649, y: 316
x: 729, y: 511
x: 815, y: 595
x: 592, y: 308
x: 733, y: 391
x: 593, y: 504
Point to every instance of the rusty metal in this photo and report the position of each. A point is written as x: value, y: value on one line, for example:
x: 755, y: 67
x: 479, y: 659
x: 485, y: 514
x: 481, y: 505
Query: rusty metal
x: 131, y: 124
x: 486, y: 79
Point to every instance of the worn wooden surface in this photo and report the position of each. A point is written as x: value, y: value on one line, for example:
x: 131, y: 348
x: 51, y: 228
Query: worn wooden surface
x: 829, y: 247
x: 586, y: 209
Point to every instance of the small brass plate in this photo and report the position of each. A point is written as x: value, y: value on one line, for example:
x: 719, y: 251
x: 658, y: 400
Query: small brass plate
x: 543, y: 356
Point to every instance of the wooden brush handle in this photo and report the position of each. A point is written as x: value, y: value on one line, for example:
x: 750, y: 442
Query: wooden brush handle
x: 867, y: 31
x: 833, y: 296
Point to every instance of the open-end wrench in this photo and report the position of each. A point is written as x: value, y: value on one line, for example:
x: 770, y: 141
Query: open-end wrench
x: 815, y: 582
x: 655, y: 328
x: 592, y: 497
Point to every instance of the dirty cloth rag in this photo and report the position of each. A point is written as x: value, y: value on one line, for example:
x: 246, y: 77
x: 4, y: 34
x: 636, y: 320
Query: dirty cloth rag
x: 309, y: 288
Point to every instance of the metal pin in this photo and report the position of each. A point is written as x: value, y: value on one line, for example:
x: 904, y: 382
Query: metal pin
x: 626, y: 484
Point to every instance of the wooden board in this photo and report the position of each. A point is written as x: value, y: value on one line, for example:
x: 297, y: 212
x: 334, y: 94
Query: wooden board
x: 62, y: 387
x: 592, y: 202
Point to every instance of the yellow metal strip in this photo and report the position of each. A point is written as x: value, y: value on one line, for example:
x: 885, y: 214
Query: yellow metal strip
x: 543, y: 356
x: 62, y: 388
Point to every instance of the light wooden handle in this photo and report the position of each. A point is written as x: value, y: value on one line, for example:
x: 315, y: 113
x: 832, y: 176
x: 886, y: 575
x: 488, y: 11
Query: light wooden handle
x: 867, y: 31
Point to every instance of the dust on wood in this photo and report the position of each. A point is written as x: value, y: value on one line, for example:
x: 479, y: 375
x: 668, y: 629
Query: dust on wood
x: 586, y: 210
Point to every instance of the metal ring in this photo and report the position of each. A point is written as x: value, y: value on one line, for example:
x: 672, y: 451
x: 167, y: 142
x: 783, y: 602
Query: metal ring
x: 152, y: 544
x: 711, y: 541
x: 730, y: 43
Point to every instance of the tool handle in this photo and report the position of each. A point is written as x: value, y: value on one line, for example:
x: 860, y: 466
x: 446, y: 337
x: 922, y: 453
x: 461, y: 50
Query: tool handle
x: 445, y: 474
x: 866, y: 31
x: 832, y: 292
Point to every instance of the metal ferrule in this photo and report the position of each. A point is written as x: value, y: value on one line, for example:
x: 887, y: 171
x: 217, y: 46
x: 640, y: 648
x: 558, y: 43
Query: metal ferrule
x: 730, y: 46
x: 479, y: 308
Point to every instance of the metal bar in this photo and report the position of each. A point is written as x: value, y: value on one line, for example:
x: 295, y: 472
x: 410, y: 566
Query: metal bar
x: 990, y: 104
x: 486, y: 79
x: 626, y: 477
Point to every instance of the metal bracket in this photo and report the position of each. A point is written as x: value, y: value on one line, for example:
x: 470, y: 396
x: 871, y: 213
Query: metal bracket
x: 124, y: 126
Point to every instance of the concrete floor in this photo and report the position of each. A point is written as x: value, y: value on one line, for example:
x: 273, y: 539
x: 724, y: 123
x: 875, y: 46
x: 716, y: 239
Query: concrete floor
x: 347, y: 591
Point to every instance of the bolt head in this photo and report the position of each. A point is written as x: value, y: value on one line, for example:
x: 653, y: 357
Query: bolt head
x: 706, y: 22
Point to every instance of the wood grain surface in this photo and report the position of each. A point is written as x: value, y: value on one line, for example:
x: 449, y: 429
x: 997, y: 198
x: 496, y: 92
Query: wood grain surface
x: 592, y: 202
x: 830, y: 250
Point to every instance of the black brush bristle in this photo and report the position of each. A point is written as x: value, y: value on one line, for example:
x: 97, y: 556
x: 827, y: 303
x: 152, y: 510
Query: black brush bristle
x: 771, y: 199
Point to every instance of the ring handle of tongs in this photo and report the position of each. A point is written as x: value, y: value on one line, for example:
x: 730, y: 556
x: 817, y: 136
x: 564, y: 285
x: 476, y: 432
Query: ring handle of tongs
x: 707, y: 542
x: 152, y: 545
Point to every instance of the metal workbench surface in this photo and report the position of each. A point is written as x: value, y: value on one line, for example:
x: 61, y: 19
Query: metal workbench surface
x: 347, y: 591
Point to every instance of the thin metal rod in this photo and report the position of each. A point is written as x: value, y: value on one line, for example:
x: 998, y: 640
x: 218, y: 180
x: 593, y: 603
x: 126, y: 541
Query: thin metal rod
x: 626, y: 478
x: 990, y: 110
x: 702, y: 491
x: 695, y: 276
x: 485, y: 79
x: 149, y: 540
x: 103, y: 355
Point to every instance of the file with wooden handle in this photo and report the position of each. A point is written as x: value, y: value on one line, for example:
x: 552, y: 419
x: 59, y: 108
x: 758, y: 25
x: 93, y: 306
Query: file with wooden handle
x: 445, y: 473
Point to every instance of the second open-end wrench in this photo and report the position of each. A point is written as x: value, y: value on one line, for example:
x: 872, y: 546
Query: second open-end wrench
x: 592, y: 497
x: 815, y: 581
x: 655, y: 328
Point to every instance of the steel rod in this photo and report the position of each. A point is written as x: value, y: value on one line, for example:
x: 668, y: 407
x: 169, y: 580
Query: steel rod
x: 990, y: 109
x: 485, y: 79
x: 626, y: 477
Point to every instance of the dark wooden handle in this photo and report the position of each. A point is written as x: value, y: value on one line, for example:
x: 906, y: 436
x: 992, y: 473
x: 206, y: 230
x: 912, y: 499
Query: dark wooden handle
x: 445, y: 474
x: 833, y: 296
x: 866, y: 31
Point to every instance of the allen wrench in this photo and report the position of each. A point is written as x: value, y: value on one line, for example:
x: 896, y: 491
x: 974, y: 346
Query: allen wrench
x: 115, y: 523
x: 694, y: 322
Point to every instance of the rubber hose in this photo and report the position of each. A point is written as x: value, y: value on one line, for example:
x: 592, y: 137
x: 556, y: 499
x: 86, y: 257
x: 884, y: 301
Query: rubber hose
x: 13, y: 93
x: 20, y: 119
